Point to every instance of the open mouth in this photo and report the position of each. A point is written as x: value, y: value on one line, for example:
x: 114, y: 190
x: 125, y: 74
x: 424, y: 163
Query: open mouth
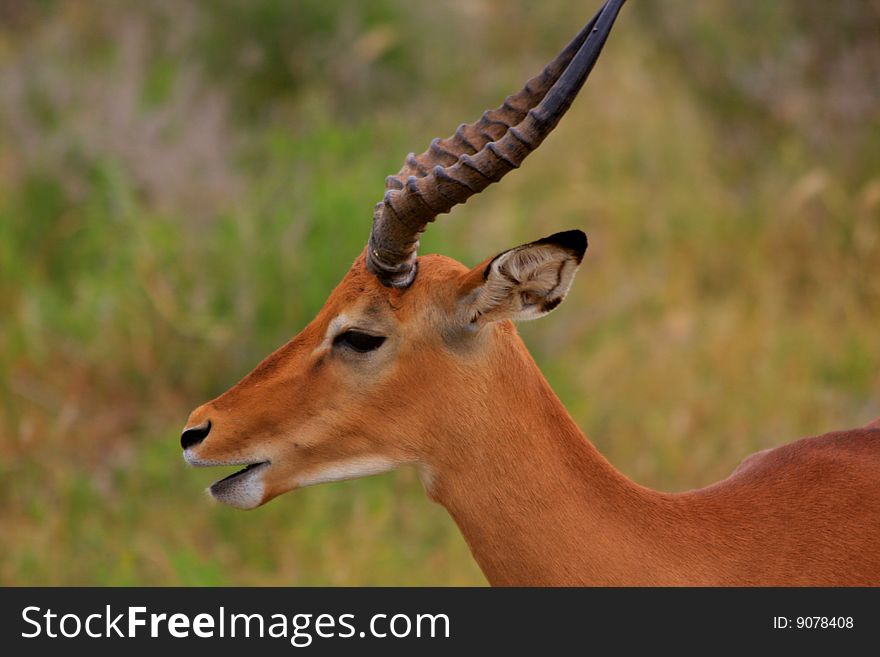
x: 238, y: 479
x: 242, y: 489
x: 248, y: 469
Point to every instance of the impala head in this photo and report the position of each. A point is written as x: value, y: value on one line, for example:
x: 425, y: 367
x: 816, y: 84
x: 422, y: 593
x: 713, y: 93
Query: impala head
x: 404, y: 343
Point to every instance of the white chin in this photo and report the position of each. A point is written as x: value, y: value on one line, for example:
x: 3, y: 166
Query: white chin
x: 243, y: 490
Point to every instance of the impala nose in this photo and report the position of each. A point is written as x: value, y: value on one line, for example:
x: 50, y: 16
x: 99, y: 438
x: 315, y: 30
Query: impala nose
x: 194, y: 435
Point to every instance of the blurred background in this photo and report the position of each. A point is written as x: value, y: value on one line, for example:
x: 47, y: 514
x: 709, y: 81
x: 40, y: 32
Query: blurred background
x: 182, y: 184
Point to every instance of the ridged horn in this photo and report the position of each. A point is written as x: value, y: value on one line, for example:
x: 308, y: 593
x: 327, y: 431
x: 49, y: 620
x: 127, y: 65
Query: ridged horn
x: 478, y: 154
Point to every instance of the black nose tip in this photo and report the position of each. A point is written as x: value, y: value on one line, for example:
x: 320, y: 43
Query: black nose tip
x: 194, y: 435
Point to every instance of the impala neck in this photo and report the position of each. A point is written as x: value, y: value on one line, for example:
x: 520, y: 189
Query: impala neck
x: 536, y: 502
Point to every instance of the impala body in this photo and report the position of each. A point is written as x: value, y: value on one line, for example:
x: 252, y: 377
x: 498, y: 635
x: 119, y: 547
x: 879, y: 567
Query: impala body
x: 416, y: 360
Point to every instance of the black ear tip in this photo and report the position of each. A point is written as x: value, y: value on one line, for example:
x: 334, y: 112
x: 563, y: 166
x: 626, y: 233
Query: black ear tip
x: 571, y: 240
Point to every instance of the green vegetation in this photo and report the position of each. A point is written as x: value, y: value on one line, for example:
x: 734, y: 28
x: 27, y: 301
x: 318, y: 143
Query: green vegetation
x: 182, y: 186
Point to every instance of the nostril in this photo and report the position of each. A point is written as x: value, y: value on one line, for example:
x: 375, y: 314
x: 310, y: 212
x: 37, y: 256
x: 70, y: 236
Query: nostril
x: 194, y: 435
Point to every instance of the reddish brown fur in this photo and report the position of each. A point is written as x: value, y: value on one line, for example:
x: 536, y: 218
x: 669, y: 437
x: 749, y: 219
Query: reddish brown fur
x: 536, y: 502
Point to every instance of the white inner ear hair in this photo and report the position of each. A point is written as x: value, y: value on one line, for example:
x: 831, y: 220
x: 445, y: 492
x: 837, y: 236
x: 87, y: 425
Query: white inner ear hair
x: 524, y: 283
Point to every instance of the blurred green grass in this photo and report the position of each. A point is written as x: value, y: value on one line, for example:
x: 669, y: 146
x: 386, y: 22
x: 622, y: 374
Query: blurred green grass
x: 180, y: 188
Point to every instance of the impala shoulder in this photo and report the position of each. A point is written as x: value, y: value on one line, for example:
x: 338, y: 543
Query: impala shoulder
x: 753, y: 460
x: 854, y: 449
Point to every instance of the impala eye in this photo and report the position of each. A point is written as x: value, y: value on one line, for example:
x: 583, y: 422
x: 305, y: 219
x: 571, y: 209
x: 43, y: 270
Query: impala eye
x: 358, y: 341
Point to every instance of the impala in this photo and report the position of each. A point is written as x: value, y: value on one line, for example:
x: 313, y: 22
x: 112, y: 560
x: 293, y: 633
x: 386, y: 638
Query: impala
x: 415, y: 360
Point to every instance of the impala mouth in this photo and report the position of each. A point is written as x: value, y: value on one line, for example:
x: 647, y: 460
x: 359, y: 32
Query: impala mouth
x: 247, y: 469
x: 242, y: 489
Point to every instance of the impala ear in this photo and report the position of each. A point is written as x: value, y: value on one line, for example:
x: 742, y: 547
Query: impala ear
x: 525, y: 282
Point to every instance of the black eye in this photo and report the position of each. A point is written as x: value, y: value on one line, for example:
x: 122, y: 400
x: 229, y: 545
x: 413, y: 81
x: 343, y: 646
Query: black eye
x: 358, y: 341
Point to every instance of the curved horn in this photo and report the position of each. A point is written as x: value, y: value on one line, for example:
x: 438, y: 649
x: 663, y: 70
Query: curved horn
x: 478, y: 154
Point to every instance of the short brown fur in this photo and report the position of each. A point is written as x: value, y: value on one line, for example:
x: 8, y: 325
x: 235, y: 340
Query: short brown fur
x: 452, y: 390
x: 536, y: 502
